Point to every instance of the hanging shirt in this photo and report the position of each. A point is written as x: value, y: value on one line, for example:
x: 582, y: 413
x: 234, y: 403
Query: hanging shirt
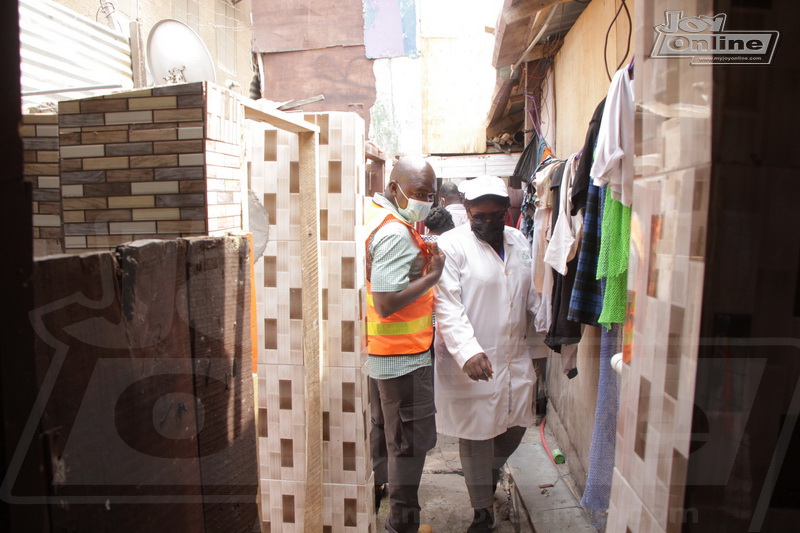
x: 564, y: 241
x: 580, y: 188
x: 482, y: 304
x: 541, y: 273
x: 613, y: 158
x: 561, y: 256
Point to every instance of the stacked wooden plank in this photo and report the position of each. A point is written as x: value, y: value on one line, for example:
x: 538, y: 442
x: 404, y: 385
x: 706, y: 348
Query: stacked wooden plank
x: 347, y: 477
x: 132, y: 166
x: 39, y: 134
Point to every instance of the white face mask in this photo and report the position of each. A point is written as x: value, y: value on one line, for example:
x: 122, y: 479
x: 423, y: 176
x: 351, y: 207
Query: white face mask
x: 415, y: 211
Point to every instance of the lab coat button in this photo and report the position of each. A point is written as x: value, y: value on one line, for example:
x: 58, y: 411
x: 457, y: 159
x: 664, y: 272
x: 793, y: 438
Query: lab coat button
x: 511, y: 303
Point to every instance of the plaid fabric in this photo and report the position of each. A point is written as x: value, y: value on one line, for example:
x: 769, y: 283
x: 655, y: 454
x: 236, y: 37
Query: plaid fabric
x: 586, y: 302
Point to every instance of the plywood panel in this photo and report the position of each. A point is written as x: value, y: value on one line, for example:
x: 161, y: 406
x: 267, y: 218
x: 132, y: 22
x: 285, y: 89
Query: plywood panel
x: 580, y: 72
x: 114, y: 364
x: 289, y: 25
x: 343, y: 75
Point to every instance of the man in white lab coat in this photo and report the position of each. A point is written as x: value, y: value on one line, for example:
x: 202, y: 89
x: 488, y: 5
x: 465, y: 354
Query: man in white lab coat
x: 484, y: 373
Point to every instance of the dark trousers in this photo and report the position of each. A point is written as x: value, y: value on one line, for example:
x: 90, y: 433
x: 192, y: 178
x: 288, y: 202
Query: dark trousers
x: 403, y: 430
x: 482, y: 461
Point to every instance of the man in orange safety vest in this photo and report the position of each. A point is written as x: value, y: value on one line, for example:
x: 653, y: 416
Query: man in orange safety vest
x: 401, y: 271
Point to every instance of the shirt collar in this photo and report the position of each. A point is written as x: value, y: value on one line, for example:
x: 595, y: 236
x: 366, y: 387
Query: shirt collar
x: 382, y: 201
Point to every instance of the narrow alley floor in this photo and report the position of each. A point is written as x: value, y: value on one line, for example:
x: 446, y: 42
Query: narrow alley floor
x: 443, y: 493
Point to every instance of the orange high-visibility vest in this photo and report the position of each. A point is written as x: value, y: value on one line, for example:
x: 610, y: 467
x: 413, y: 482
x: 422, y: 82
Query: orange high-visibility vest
x: 410, y: 330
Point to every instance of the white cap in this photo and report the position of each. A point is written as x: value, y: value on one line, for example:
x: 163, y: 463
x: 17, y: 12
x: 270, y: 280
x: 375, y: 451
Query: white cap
x: 482, y: 186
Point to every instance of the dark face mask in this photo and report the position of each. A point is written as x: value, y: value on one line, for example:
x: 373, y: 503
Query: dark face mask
x: 488, y: 231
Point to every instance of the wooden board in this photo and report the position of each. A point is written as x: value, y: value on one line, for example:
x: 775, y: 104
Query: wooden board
x: 288, y: 25
x: 312, y: 319
x: 342, y: 74
x: 219, y: 314
x: 112, y: 350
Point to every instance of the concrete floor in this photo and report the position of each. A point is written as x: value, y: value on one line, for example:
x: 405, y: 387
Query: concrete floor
x: 443, y: 493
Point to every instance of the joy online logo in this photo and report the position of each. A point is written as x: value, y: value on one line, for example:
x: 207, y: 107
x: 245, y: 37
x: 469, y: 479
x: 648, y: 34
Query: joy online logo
x: 705, y: 40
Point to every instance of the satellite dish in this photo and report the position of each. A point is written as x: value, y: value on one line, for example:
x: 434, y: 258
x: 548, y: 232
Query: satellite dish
x: 176, y: 54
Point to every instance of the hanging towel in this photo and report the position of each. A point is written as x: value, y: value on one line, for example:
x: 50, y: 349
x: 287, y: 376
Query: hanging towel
x: 612, y: 263
x: 597, y: 495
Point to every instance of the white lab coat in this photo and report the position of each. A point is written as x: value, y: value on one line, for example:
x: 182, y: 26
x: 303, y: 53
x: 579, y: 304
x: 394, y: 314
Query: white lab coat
x: 482, y: 305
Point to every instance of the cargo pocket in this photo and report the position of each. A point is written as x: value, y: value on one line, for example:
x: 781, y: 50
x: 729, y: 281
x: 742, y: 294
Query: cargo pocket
x: 418, y: 428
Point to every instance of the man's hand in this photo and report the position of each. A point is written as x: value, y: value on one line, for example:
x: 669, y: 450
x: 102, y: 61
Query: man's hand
x: 436, y: 264
x: 478, y: 367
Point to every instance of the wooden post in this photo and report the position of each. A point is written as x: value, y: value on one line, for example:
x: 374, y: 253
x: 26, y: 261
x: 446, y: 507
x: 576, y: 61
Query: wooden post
x: 528, y: 123
x: 312, y: 333
x: 18, y: 387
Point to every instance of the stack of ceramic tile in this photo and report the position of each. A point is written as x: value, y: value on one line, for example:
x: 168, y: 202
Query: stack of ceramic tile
x: 224, y: 160
x: 133, y: 165
x: 348, y: 503
x: 40, y: 144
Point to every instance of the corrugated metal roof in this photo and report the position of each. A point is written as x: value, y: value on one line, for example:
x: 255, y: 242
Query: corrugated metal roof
x: 61, y: 50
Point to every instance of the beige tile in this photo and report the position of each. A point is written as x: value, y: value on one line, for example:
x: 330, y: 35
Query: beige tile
x: 131, y: 201
x: 139, y: 93
x: 156, y: 102
x: 47, y: 130
x: 28, y: 130
x: 71, y: 107
x: 129, y: 117
x: 106, y: 241
x: 190, y: 160
x: 47, y: 220
x: 190, y: 133
x: 74, y: 242
x: 121, y: 228
x: 85, y: 150
x: 105, y: 163
x: 40, y: 118
x: 166, y: 213
x: 74, y: 216
x: 155, y: 187
x: 71, y: 191
x: 47, y: 156
x: 49, y: 182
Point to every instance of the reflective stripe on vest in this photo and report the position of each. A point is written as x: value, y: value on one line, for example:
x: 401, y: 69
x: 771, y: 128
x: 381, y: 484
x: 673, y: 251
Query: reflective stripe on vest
x: 410, y: 330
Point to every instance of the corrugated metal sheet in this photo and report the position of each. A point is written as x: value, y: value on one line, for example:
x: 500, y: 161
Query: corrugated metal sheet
x: 62, y: 50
